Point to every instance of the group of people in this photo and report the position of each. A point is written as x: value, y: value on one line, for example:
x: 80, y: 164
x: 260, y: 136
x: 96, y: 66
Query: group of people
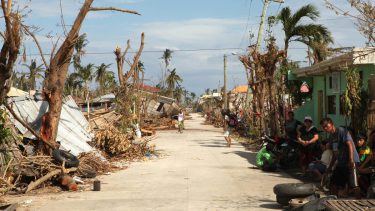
x: 344, y: 163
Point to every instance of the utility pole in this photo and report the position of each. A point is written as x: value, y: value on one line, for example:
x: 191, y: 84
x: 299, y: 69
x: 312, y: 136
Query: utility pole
x: 263, y: 17
x: 225, y: 97
x: 257, y: 49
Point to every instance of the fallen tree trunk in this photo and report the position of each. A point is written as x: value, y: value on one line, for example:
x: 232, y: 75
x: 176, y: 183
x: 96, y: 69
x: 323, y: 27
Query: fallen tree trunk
x: 46, y: 177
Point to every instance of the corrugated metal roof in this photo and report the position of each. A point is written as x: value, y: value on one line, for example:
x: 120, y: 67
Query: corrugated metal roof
x: 105, y: 98
x: 72, y: 131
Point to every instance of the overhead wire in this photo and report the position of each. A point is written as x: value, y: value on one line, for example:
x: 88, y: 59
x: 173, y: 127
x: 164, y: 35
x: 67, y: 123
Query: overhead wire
x: 247, y: 24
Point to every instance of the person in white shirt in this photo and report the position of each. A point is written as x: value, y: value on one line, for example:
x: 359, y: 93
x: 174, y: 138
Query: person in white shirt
x: 319, y: 167
x: 180, y: 119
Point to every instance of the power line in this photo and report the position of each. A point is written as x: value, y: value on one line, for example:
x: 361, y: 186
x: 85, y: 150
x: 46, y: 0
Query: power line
x: 247, y: 24
x: 157, y: 51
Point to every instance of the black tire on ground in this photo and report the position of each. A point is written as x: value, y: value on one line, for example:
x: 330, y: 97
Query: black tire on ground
x: 88, y: 174
x: 69, y: 158
x: 294, y: 190
x: 283, y: 200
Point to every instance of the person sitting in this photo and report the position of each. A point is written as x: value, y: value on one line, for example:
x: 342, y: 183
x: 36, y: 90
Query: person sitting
x: 265, y: 159
x: 319, y: 167
x: 291, y: 128
x: 307, y: 137
x: 362, y: 148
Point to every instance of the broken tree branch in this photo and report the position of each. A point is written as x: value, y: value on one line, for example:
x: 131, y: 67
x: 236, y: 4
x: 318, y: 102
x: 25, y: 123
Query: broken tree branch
x: 37, y: 44
x: 46, y: 177
x: 10, y: 109
x: 113, y: 9
x: 6, y: 182
x: 136, y: 59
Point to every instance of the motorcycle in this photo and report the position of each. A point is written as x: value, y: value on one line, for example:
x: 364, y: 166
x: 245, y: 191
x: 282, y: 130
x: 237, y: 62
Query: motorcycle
x: 285, y: 150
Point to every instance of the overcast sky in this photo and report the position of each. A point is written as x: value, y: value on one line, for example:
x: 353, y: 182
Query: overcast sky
x: 199, y: 31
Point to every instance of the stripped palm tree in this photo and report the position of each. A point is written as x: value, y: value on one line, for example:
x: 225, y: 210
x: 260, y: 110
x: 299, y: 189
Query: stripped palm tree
x: 109, y: 81
x: 167, y: 56
x: 79, y: 46
x: 20, y: 81
x: 35, y: 72
x: 72, y: 84
x: 85, y: 75
x: 101, y: 75
x: 172, y: 80
x: 178, y: 93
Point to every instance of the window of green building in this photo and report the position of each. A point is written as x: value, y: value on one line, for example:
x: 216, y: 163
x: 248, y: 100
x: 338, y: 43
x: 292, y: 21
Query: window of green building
x: 331, y: 100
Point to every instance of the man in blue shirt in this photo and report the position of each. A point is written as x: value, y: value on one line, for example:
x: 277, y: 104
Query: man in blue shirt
x: 345, y: 157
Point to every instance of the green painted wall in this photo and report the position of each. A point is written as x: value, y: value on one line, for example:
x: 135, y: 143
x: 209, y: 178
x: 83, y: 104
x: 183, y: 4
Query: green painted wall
x: 323, y: 83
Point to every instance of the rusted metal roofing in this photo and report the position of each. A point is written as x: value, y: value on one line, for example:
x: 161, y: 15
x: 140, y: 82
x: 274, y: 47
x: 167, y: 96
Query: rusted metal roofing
x: 72, y: 131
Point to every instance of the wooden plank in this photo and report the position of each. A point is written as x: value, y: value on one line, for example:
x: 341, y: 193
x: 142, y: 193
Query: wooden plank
x: 356, y: 205
x: 349, y: 205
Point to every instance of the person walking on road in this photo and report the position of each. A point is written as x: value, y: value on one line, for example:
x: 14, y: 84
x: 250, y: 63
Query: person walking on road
x: 180, y: 119
x: 230, y: 121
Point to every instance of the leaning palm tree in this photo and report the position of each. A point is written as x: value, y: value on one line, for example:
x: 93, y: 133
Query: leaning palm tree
x: 293, y: 28
x: 172, y: 80
x: 79, y: 50
x: 35, y: 72
x: 101, y: 74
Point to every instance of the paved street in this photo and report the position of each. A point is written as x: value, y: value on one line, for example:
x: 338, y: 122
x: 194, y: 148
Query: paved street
x: 198, y: 172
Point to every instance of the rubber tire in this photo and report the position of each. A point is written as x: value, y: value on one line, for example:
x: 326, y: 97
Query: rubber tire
x: 294, y: 190
x: 62, y: 155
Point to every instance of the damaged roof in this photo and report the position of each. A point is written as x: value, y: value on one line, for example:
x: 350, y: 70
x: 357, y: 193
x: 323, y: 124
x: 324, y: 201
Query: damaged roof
x: 73, y: 128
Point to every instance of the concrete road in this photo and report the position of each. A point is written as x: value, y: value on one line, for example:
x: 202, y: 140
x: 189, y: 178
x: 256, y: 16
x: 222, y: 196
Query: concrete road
x: 198, y: 172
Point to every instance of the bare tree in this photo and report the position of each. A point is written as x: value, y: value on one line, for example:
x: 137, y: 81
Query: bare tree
x: 10, y: 49
x: 365, y: 18
x: 57, y: 71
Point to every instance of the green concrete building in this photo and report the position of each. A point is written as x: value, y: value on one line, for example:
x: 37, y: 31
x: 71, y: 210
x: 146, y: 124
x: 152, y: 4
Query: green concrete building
x: 328, y: 82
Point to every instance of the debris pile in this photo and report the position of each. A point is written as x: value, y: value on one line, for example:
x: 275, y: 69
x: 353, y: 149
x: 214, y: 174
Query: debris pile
x: 112, y: 141
x: 159, y: 123
x: 91, y: 165
x: 24, y: 174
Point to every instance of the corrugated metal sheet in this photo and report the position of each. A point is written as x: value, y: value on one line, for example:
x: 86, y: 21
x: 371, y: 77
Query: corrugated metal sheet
x: 72, y: 131
x: 105, y: 98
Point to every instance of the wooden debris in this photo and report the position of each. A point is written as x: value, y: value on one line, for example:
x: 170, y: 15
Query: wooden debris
x: 112, y: 141
x: 92, y: 162
x: 48, y: 176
